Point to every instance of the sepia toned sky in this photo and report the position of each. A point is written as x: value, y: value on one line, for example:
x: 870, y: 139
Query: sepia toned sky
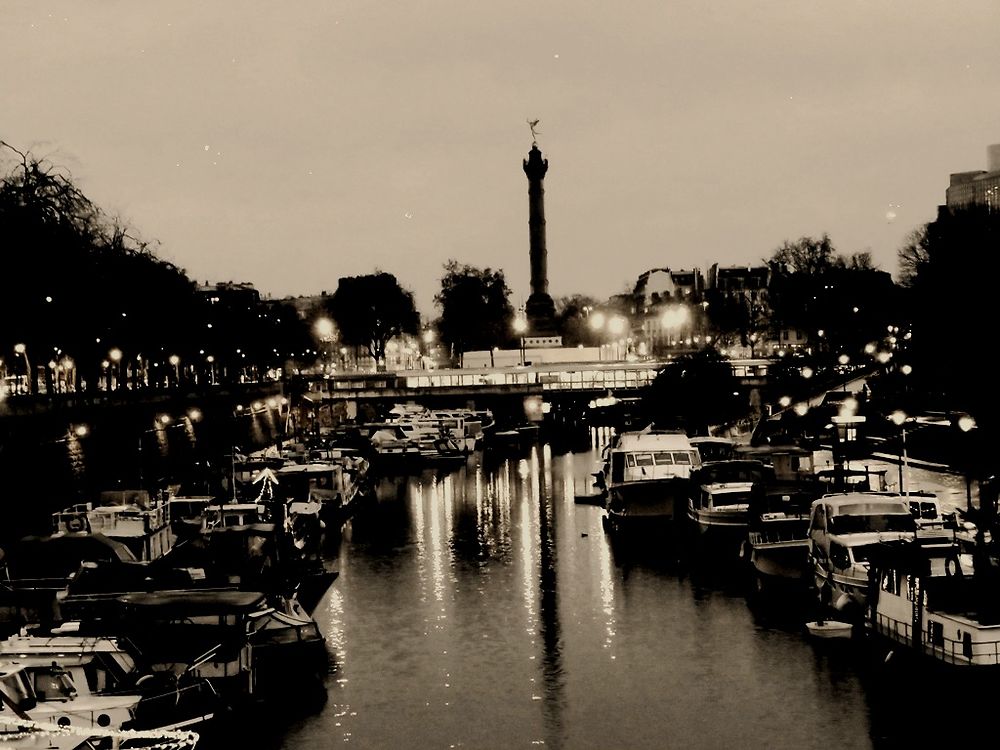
x: 290, y: 144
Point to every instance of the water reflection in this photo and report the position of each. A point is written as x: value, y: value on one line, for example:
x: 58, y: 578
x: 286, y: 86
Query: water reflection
x: 485, y: 607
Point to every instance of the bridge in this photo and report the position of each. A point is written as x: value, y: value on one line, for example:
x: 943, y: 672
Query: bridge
x: 545, y: 380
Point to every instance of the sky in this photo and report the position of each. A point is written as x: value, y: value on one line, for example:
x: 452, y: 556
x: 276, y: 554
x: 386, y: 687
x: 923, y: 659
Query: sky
x: 291, y: 144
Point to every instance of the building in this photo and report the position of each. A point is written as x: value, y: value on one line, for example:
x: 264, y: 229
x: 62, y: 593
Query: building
x: 230, y: 295
x: 978, y: 188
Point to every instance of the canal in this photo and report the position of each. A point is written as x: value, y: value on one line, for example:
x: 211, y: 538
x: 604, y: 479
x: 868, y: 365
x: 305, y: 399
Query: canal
x: 484, y: 607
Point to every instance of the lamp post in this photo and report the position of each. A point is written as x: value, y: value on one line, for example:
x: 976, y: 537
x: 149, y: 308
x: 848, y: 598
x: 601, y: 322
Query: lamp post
x: 114, y: 372
x: 844, y: 361
x: 966, y: 423
x: 673, y: 320
x: 23, y: 351
x: 900, y: 418
x: 176, y: 362
x: 617, y: 326
x: 521, y: 327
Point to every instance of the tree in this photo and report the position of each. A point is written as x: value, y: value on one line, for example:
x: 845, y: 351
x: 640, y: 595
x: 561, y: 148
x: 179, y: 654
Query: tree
x: 815, y: 289
x: 913, y: 256
x: 82, y: 283
x: 573, y: 320
x: 955, y: 262
x: 475, y: 308
x: 806, y: 255
x: 371, y: 310
x: 696, y: 391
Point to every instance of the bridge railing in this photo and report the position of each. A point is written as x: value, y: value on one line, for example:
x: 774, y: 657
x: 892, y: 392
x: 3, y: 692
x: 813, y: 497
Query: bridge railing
x: 556, y: 377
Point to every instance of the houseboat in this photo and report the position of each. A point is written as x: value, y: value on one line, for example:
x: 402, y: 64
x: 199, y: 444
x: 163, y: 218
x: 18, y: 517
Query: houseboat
x: 937, y: 603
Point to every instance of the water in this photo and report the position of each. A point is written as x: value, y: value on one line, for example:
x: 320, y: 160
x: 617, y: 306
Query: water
x: 485, y: 608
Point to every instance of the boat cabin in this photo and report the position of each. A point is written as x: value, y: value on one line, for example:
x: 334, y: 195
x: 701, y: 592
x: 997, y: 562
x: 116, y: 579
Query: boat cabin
x: 132, y: 517
x: 650, y: 454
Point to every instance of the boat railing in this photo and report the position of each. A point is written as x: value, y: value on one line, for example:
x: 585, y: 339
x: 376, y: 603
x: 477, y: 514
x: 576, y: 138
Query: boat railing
x: 781, y: 532
x: 937, y: 645
x: 111, y: 520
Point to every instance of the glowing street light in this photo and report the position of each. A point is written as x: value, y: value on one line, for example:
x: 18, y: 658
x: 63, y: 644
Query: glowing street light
x: 900, y: 418
x: 520, y: 328
x: 21, y: 349
x: 325, y: 329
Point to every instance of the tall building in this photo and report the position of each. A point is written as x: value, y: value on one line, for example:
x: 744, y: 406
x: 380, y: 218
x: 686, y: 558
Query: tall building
x: 978, y: 188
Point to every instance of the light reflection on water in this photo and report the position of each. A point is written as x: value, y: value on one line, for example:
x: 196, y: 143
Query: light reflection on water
x: 486, y: 608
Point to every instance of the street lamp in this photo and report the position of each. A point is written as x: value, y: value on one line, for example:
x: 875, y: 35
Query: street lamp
x: 115, y: 372
x: 965, y: 424
x: 673, y: 319
x: 23, y: 351
x: 617, y: 324
x: 900, y: 418
x: 176, y: 361
x: 521, y: 327
x: 844, y: 360
x: 326, y: 332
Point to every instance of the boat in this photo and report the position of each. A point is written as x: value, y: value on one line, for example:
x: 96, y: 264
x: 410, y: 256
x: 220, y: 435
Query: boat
x: 719, y: 498
x: 133, y: 517
x: 777, y: 543
x: 425, y: 426
x: 713, y: 448
x: 937, y: 603
x: 36, y: 568
x: 828, y: 629
x: 90, y: 687
x: 391, y: 447
x: 644, y: 479
x: 250, y: 645
x: 844, y: 528
x: 333, y: 483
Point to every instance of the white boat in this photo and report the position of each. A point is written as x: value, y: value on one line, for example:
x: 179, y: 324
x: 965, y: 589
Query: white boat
x: 424, y: 426
x: 935, y: 602
x: 645, y: 477
x: 843, y: 530
x: 89, y: 687
x: 826, y: 629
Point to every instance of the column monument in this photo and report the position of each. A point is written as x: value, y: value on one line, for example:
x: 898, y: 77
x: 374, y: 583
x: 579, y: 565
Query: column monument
x: 539, y: 308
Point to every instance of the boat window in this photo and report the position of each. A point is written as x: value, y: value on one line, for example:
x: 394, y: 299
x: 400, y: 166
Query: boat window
x: 935, y: 633
x: 630, y: 459
x: 874, y: 522
x: 862, y: 552
x: 839, y: 556
x: 663, y: 458
x: 682, y: 458
x: 54, y: 683
x: 890, y: 582
x: 819, y: 518
x: 926, y: 511
x: 643, y: 459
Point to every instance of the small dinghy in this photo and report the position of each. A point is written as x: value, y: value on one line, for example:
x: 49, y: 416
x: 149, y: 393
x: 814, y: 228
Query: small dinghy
x: 829, y: 629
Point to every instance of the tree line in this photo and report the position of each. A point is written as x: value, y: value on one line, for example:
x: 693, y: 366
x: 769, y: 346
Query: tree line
x: 87, y: 298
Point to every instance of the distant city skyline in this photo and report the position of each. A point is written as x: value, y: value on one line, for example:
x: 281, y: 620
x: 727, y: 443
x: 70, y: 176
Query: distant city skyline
x: 287, y: 148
